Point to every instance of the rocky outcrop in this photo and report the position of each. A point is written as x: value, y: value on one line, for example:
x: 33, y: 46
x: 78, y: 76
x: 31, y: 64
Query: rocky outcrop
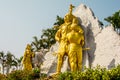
x: 49, y: 65
x: 91, y: 27
x: 107, y: 53
x: 87, y: 19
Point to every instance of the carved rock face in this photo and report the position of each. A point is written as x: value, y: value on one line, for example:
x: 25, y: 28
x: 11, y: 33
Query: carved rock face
x: 107, y: 53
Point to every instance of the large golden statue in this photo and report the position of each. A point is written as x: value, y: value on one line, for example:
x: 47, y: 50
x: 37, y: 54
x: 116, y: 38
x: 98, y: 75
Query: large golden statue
x: 71, y: 39
x: 27, y: 58
x: 76, y: 42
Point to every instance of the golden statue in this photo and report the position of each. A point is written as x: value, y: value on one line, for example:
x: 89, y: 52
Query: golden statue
x: 70, y: 37
x: 62, y: 39
x: 27, y: 58
x: 76, y: 41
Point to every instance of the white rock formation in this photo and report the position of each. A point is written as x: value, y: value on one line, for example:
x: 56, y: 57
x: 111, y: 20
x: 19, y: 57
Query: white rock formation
x: 50, y: 63
x: 107, y: 53
x: 91, y: 27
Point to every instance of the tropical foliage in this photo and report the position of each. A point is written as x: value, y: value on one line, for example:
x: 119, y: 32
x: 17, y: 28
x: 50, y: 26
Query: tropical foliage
x: 59, y: 21
x: 36, y: 44
x: 2, y: 61
x: 47, y: 37
x: 97, y: 73
x: 8, y: 61
x: 20, y: 75
x: 114, y: 20
x: 2, y: 77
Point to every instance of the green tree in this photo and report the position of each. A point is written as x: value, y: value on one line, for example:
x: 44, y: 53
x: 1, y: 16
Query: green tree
x: 101, y: 24
x: 10, y: 59
x: 17, y: 62
x: 36, y: 45
x: 2, y: 60
x: 114, y: 20
x: 14, y: 63
x: 47, y: 37
x: 59, y: 21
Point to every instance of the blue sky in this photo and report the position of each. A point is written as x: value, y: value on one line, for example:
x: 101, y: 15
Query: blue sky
x: 20, y: 20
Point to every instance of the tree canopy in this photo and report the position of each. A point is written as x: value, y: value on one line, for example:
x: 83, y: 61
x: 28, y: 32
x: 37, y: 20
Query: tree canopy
x: 48, y: 36
x: 114, y: 20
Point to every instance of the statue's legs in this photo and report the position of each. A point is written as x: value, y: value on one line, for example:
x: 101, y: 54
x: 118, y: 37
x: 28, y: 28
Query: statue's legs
x: 61, y: 52
x: 79, y: 59
x: 60, y: 61
x: 73, y: 60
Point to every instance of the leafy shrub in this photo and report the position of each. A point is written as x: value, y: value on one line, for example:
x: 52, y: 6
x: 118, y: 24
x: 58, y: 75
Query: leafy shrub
x: 43, y: 76
x: 36, y: 70
x: 114, y: 73
x: 2, y: 77
x: 24, y: 75
x: 97, y: 73
x: 20, y: 75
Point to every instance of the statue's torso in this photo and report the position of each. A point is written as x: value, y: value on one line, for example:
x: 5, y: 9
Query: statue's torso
x: 65, y: 29
x: 74, y: 39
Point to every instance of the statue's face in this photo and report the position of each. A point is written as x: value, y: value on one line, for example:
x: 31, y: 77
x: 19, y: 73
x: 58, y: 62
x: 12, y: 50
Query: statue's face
x: 27, y: 51
x: 67, y: 18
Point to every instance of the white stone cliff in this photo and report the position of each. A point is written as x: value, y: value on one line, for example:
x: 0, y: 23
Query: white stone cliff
x: 107, y: 53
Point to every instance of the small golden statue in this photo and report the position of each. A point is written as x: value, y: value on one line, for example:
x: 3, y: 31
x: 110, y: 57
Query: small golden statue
x: 71, y: 40
x: 27, y: 58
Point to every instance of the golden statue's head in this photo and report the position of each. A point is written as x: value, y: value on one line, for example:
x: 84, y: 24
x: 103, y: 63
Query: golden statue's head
x: 69, y: 16
x: 28, y: 47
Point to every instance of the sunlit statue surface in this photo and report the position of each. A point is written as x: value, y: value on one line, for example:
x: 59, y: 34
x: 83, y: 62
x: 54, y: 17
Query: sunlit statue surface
x: 27, y: 58
x: 71, y: 39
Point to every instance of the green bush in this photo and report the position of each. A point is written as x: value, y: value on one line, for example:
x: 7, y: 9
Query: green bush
x: 97, y: 73
x: 24, y: 75
x: 36, y: 70
x: 43, y: 76
x: 2, y: 77
x: 20, y: 75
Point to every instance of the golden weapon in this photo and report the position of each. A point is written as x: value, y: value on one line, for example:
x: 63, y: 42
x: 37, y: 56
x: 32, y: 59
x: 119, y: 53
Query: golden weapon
x: 86, y: 49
